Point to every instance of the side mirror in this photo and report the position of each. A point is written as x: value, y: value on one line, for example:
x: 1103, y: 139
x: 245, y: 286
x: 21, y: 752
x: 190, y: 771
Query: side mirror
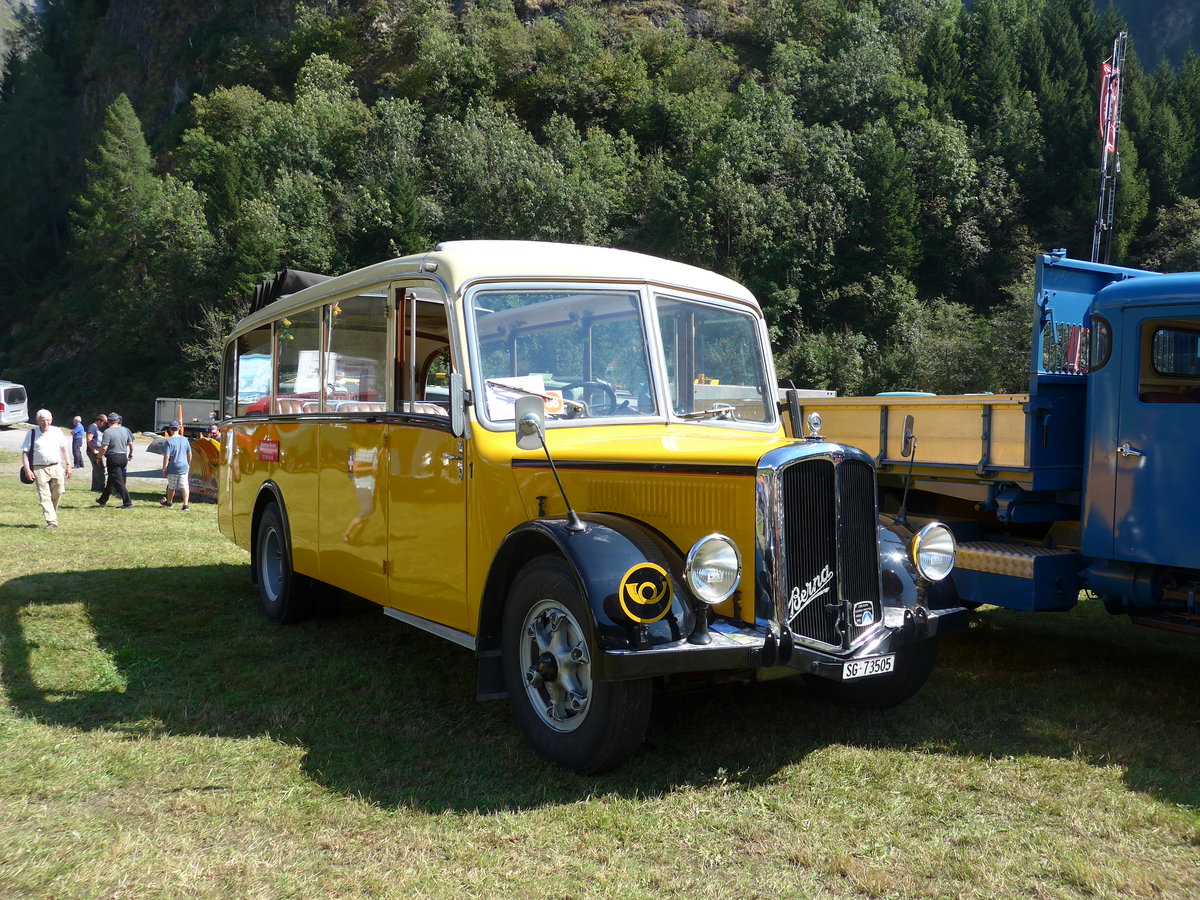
x: 529, y: 418
x: 906, y: 448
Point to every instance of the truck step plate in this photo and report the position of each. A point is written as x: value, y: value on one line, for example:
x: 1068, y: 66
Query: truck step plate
x: 865, y: 668
x: 999, y: 558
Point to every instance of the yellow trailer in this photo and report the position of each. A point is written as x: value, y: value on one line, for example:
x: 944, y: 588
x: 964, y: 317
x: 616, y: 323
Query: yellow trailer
x: 1004, y: 471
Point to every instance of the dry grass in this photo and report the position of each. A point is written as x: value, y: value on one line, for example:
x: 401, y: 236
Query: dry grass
x: 159, y: 740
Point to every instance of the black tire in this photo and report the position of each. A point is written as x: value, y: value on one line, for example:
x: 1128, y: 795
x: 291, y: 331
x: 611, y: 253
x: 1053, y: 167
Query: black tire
x: 914, y: 662
x: 580, y: 724
x: 284, y: 597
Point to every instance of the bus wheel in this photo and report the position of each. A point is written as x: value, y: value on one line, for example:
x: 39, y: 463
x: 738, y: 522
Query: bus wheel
x: 914, y: 662
x: 282, y: 594
x: 585, y: 725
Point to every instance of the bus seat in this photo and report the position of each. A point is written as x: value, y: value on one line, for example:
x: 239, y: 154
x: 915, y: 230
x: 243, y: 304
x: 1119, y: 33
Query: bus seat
x: 286, y: 406
x: 360, y: 406
x: 423, y: 408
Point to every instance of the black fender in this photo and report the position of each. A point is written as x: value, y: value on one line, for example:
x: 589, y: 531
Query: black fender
x: 901, y: 582
x: 268, y: 493
x: 600, y: 556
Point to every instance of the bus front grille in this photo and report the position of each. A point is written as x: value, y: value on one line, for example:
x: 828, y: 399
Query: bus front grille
x: 831, y: 560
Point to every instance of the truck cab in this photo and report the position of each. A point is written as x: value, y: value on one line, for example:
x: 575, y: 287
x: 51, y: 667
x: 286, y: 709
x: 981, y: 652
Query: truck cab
x: 1143, y: 418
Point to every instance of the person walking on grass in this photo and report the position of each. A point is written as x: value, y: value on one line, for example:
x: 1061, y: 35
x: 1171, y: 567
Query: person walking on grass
x: 177, y: 464
x: 45, y: 457
x: 117, y: 445
x: 77, y: 442
x: 95, y: 434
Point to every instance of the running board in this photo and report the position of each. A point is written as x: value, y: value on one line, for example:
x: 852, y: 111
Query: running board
x: 1180, y: 623
x: 443, y: 631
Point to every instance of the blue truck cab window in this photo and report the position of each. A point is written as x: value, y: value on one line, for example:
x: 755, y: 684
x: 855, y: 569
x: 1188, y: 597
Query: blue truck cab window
x: 1101, y: 343
x: 1176, y: 352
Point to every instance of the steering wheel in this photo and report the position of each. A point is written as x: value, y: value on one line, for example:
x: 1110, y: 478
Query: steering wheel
x: 607, y: 404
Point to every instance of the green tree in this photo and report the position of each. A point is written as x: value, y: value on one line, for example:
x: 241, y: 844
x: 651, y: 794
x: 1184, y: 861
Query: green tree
x: 940, y: 66
x: 40, y: 146
x: 121, y: 189
x: 883, y: 233
x: 141, y: 251
x: 1174, y: 244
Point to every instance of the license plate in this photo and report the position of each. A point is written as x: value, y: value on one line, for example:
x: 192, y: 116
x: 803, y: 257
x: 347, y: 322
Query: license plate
x: 865, y: 668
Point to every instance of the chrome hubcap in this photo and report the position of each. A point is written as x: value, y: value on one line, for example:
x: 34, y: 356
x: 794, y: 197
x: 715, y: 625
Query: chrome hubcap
x: 271, y: 563
x: 556, y: 666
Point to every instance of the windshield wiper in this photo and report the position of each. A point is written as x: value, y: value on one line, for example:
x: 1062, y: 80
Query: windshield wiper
x: 716, y: 411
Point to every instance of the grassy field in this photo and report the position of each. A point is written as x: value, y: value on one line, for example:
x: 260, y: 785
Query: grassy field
x: 159, y: 740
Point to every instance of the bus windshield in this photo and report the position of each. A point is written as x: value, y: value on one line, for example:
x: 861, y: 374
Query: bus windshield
x: 588, y: 354
x: 584, y: 352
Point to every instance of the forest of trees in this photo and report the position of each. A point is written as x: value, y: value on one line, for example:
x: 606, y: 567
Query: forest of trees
x: 880, y: 174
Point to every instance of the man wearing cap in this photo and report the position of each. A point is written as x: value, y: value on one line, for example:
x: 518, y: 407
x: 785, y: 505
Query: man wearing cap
x: 117, y: 445
x: 94, y: 433
x: 177, y: 464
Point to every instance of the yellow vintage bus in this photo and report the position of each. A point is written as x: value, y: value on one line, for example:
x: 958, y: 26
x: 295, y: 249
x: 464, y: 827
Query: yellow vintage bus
x: 573, y: 462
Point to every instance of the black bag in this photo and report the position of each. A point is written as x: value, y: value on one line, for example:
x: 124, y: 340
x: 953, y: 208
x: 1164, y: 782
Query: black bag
x: 27, y: 479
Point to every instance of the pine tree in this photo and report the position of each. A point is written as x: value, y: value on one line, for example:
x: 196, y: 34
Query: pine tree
x: 121, y: 187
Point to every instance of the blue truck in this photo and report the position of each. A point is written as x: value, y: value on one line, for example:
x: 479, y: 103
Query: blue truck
x: 1085, y: 486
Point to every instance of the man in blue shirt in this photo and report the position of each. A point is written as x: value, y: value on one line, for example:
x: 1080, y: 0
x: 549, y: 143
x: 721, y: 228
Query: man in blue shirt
x: 177, y: 464
x: 77, y: 441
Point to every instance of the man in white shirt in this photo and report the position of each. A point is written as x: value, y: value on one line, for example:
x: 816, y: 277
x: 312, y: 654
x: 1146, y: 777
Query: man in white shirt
x: 45, y: 457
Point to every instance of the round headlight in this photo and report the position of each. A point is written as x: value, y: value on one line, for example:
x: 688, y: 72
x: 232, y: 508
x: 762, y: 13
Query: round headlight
x: 933, y: 551
x: 713, y: 569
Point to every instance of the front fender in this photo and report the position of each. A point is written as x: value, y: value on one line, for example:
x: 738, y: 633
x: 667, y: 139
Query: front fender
x: 601, y: 556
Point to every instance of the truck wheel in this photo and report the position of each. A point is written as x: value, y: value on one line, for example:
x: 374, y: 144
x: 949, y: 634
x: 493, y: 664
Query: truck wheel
x: 585, y: 725
x: 914, y: 662
x: 283, y: 595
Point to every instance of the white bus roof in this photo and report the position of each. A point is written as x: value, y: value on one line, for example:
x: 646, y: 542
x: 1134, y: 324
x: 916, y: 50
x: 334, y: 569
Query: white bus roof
x: 458, y: 263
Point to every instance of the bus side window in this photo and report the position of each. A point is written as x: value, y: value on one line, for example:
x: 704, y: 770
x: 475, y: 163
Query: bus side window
x: 356, y: 365
x: 298, y: 367
x: 229, y: 387
x: 254, y: 371
x: 424, y: 360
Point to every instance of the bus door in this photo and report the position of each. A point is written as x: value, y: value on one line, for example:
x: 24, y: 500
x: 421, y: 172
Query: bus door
x: 427, y: 494
x: 352, y: 489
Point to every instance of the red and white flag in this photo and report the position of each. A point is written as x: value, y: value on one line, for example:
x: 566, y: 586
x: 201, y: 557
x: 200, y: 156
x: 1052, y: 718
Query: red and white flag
x: 1110, y: 89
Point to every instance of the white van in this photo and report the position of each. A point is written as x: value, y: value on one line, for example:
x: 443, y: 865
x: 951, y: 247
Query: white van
x: 14, y: 404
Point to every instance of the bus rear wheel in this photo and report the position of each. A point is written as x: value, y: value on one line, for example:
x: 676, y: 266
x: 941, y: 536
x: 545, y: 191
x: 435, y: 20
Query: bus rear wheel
x: 283, y: 595
x: 581, y: 724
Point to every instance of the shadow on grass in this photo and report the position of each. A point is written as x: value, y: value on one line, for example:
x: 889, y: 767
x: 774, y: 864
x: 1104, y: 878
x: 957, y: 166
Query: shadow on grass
x: 386, y: 712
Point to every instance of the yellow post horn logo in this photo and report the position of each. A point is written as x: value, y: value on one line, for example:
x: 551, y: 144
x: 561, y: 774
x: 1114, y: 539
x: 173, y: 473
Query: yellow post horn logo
x: 645, y: 593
